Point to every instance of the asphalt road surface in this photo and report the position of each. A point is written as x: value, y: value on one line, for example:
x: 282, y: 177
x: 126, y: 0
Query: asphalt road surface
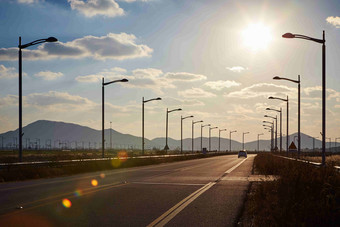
x: 204, y: 192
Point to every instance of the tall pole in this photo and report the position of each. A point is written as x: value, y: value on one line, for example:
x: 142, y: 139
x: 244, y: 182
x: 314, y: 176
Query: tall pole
x: 110, y: 134
x: 181, y: 134
x: 166, y: 131
x: 323, y: 99
x: 209, y: 139
x: 143, y: 126
x: 192, y: 137
x: 280, y: 129
x: 276, y: 133
x: 20, y: 101
x: 103, y: 140
x: 243, y: 142
x: 201, y: 136
x: 287, y: 125
x: 299, y: 118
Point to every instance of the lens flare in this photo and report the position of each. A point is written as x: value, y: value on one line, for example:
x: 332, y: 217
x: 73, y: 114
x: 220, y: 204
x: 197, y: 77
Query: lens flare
x: 94, y: 183
x: 123, y: 156
x: 78, y: 193
x: 66, y: 203
x: 102, y: 175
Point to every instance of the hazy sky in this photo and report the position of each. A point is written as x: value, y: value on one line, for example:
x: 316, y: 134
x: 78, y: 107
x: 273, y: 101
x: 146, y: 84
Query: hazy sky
x: 214, y: 59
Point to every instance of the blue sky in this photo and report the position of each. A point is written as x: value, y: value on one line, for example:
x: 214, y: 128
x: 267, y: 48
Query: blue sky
x: 194, y: 54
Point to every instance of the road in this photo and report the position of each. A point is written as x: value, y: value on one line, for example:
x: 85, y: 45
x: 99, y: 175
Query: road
x: 204, y: 192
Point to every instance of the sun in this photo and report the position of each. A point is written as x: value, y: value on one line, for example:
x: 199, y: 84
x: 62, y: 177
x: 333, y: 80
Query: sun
x: 257, y: 37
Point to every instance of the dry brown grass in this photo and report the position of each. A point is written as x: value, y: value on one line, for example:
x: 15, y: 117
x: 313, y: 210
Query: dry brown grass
x: 303, y: 195
x: 330, y: 160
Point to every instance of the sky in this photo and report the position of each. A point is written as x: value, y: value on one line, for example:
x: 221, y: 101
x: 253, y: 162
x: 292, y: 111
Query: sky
x: 214, y: 59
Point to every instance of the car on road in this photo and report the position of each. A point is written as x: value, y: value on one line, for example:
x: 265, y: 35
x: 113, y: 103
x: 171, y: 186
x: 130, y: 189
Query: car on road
x: 242, y: 154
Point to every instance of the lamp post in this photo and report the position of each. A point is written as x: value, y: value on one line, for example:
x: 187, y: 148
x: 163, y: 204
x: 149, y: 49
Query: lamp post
x: 321, y: 41
x: 285, y: 100
x: 258, y: 141
x: 192, y: 132
x: 166, y: 147
x: 202, y: 126
x: 145, y: 101
x: 210, y: 137
x: 48, y: 40
x: 280, y: 111
x: 182, y: 118
x: 110, y: 134
x: 230, y: 138
x: 243, y: 139
x: 103, y: 85
x: 336, y: 146
x: 219, y: 138
x: 270, y: 129
x: 275, y: 118
x: 299, y: 108
x: 272, y: 133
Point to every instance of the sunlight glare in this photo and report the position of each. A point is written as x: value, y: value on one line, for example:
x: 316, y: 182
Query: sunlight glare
x: 66, y: 203
x: 257, y: 36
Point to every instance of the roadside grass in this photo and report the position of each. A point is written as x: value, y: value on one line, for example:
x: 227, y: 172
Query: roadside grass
x: 302, y: 196
x: 55, y: 169
x: 330, y: 160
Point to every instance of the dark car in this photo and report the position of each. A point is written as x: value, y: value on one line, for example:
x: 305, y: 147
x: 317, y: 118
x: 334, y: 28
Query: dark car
x: 242, y: 154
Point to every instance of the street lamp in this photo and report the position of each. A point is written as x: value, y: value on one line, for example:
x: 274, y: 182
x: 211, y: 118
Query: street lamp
x: 336, y: 143
x: 166, y: 148
x: 202, y: 126
x: 285, y: 100
x: 275, y: 118
x: 271, y: 134
x: 192, y: 131
x: 243, y: 140
x: 48, y: 40
x: 210, y: 137
x: 299, y: 107
x: 280, y: 111
x: 313, y: 141
x: 110, y: 134
x: 258, y: 141
x: 322, y: 41
x: 103, y: 85
x: 219, y: 138
x: 145, y: 101
x: 182, y: 118
x: 230, y: 138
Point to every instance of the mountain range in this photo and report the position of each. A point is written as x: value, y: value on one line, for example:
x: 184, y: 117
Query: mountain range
x: 53, y: 134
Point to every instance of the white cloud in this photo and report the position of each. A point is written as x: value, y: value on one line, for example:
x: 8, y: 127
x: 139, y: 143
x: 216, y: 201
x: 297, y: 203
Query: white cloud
x: 221, y: 84
x: 236, y: 69
x: 9, y: 100
x: 8, y: 72
x: 262, y: 89
x: 196, y: 93
x: 149, y: 78
x: 48, y: 75
x: 90, y: 8
x: 183, y: 76
x: 58, y: 101
x: 316, y: 93
x: 112, y: 46
x: 27, y: 1
x: 334, y: 21
x: 170, y: 101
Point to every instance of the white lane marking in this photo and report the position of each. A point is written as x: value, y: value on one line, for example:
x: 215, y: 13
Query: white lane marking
x: 173, y: 211
x: 164, y: 183
x: 234, y: 167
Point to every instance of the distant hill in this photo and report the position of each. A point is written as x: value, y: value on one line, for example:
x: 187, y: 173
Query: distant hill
x: 60, y: 134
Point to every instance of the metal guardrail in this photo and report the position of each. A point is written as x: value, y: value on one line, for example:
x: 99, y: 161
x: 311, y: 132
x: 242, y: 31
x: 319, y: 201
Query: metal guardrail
x: 96, y: 159
x: 317, y: 164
